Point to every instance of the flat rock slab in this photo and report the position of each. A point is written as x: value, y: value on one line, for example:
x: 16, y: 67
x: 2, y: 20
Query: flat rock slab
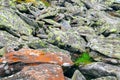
x: 11, y: 22
x: 36, y: 56
x: 107, y: 46
x: 69, y: 40
x: 40, y: 72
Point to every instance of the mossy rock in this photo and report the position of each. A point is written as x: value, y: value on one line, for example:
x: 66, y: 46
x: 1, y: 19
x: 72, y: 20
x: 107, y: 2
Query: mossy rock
x: 37, y: 44
x: 12, y: 23
x: 66, y: 40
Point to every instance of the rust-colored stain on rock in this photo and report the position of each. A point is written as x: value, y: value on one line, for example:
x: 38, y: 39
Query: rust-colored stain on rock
x: 36, y: 56
x: 34, y: 65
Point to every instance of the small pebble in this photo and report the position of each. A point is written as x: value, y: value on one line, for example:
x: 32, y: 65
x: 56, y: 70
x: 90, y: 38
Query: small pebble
x: 4, y: 62
x: 66, y: 64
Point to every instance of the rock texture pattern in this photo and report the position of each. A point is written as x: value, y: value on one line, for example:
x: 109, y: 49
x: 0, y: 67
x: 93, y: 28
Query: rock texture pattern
x: 44, y: 38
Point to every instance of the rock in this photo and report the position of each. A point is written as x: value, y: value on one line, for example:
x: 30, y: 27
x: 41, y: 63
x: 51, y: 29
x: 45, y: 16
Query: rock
x: 40, y: 72
x: 87, y: 32
x: 55, y: 49
x: 2, y: 51
x: 107, y: 46
x: 106, y: 78
x: 7, y: 39
x: 66, y: 40
x: 12, y: 23
x: 103, y: 23
x: 66, y: 78
x: 7, y: 69
x: 36, y: 56
x: 115, y: 6
x: 37, y: 44
x: 15, y: 61
x: 67, y: 27
x: 102, y: 58
x: 78, y: 76
x: 99, y: 69
x: 96, y: 5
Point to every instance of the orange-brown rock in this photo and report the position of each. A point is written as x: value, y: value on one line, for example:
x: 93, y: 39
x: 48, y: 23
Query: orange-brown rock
x: 13, y: 62
x: 36, y: 56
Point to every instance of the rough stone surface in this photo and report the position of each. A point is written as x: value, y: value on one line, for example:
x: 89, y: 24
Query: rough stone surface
x: 107, y: 46
x: 67, y: 40
x: 12, y: 23
x: 65, y: 29
x: 106, y: 78
x: 78, y: 76
x: 99, y: 69
x: 8, y: 39
x: 36, y: 56
x: 40, y: 72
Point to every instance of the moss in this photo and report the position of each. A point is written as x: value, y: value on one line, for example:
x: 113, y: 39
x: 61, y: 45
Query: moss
x: 83, y: 59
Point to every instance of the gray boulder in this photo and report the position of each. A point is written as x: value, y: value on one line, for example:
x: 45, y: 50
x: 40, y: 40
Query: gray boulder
x: 12, y: 23
x: 69, y: 40
x: 99, y: 69
x: 107, y: 46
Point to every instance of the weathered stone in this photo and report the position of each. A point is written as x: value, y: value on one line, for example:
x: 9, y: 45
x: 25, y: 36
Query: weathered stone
x: 78, y: 76
x: 37, y: 44
x: 99, y: 69
x: 66, y: 40
x: 107, y: 46
x: 102, y: 58
x: 40, y: 72
x: 2, y: 51
x: 7, y: 39
x: 103, y: 23
x: 106, y: 78
x: 36, y: 56
x: 12, y: 23
x: 55, y: 49
x: 13, y: 62
x: 87, y: 32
